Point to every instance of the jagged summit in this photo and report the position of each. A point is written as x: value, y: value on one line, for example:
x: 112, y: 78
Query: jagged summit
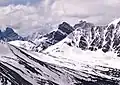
x: 39, y: 42
x: 9, y: 29
x: 87, y: 36
x: 9, y: 35
x: 115, y: 22
x: 84, y: 35
x: 53, y: 37
x: 83, y: 23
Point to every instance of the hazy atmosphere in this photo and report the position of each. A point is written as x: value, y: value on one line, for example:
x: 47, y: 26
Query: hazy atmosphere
x: 45, y: 14
x: 59, y: 42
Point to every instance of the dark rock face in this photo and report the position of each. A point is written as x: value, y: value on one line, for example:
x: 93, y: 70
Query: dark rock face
x: 108, y: 38
x: 90, y: 37
x: 54, y: 37
x: 1, y: 35
x: 83, y: 43
x: 65, y: 27
x: 9, y: 35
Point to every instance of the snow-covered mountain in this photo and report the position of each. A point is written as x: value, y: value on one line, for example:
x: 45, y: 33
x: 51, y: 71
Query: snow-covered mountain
x: 83, y: 35
x: 38, y: 42
x: 9, y: 35
x: 53, y: 37
x: 90, y: 37
x: 80, y: 55
x: 22, y: 67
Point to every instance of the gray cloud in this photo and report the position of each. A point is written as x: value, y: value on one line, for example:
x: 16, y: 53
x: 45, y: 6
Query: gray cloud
x: 16, y: 2
x: 35, y: 17
x: 97, y: 11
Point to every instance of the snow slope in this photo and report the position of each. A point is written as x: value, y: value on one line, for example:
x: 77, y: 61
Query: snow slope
x: 67, y: 60
x: 78, y: 59
x: 22, y: 67
x: 23, y: 44
x: 114, y: 22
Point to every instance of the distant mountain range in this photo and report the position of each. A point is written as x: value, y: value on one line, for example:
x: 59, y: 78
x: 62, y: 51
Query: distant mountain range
x: 9, y: 35
x: 83, y: 35
x: 83, y: 54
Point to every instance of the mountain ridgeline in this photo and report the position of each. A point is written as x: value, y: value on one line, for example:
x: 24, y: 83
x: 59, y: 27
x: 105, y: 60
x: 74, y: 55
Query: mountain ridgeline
x: 83, y: 35
x: 90, y: 37
x: 9, y: 35
x: 86, y: 36
x: 51, y: 38
x: 54, y: 37
x: 60, y: 57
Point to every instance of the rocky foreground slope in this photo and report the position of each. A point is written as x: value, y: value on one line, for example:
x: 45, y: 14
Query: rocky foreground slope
x: 20, y: 67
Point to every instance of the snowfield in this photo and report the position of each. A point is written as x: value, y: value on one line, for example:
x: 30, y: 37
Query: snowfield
x: 64, y: 66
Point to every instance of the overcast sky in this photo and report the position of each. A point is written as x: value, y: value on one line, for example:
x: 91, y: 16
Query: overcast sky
x: 40, y: 14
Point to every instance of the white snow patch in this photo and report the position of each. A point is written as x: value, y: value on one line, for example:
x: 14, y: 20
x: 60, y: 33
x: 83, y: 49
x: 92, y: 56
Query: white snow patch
x: 23, y: 44
x: 115, y: 22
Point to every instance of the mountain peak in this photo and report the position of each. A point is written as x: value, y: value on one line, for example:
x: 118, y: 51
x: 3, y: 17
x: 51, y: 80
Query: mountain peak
x: 64, y: 24
x: 53, y: 37
x: 9, y: 35
x: 65, y: 27
x: 115, y: 22
x: 82, y: 24
x: 9, y: 30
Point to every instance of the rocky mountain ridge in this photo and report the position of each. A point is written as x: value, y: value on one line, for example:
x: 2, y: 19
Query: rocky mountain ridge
x: 79, y: 55
x: 90, y: 37
x: 83, y: 35
x: 9, y: 35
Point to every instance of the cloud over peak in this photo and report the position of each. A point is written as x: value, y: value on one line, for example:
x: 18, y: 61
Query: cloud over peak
x: 46, y: 13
